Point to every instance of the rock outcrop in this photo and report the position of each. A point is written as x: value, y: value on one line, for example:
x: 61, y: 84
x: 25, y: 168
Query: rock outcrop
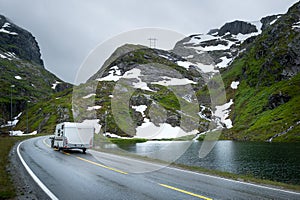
x: 19, y: 41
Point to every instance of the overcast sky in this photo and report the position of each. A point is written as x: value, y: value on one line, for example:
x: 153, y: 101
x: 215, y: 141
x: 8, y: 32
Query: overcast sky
x: 68, y: 30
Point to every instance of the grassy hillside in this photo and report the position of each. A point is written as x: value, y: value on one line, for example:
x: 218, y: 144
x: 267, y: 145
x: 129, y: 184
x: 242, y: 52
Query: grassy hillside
x: 266, y: 103
x: 44, y: 115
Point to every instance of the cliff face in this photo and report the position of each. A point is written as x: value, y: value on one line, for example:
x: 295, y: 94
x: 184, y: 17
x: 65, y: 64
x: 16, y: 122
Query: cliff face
x: 237, y: 27
x: 19, y: 41
x: 23, y: 77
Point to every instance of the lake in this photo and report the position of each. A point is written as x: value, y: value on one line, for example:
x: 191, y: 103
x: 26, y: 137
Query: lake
x: 273, y: 161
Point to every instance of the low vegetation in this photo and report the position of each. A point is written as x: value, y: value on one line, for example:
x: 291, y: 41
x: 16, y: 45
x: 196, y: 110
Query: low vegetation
x: 7, y: 189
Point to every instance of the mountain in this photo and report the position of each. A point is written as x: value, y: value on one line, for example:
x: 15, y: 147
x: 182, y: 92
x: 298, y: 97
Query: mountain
x: 23, y: 78
x: 19, y: 42
x: 242, y: 78
x: 267, y: 99
x: 141, y: 88
x: 258, y: 63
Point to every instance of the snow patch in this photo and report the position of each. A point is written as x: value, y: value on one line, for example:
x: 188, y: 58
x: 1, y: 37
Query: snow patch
x: 11, y: 54
x: 21, y: 133
x: 89, y: 96
x: 168, y: 57
x: 55, y: 84
x: 8, y: 55
x: 141, y: 109
x: 258, y: 25
x: 202, y: 115
x: 111, y: 135
x: 131, y: 74
x: 243, y: 37
x: 3, y: 30
x: 184, y: 64
x: 114, y: 75
x: 273, y: 22
x: 2, y: 56
x: 189, y: 57
x: 296, y: 25
x: 174, y: 81
x: 14, y: 122
x: 196, y: 40
x: 94, y: 108
x: 225, y: 62
x: 222, y: 113
x: 234, y: 85
x: 135, y: 74
x: 188, y: 98
x: 219, y: 47
x: 148, y: 130
x: 206, y: 68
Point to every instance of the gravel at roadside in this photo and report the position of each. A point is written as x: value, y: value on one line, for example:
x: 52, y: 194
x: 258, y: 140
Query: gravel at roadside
x: 26, y: 188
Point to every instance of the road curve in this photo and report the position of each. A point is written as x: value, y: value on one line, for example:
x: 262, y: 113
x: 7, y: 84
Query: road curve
x: 98, y: 175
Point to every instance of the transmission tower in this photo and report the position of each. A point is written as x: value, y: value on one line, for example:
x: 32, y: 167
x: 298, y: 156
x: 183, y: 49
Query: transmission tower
x: 152, y: 42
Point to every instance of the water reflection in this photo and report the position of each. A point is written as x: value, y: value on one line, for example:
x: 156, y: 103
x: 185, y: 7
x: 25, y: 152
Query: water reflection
x: 279, y: 162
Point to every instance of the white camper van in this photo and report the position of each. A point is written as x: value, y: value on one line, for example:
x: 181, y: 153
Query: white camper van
x: 70, y: 135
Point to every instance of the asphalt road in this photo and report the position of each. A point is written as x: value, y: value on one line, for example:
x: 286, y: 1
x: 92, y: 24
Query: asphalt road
x: 97, y: 175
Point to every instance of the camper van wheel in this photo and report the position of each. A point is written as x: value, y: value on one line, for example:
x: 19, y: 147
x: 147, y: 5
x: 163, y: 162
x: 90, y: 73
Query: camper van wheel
x: 83, y: 151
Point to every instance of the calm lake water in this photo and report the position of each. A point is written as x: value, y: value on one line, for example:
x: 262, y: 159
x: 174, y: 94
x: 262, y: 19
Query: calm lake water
x: 279, y: 162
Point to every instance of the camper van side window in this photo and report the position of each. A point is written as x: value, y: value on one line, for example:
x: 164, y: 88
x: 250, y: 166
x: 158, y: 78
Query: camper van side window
x: 62, y: 127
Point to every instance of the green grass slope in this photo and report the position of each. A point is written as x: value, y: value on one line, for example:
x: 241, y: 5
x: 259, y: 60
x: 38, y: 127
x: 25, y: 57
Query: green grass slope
x: 266, y: 103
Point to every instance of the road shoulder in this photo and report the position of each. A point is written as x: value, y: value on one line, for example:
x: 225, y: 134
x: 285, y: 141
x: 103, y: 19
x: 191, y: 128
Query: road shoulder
x: 26, y: 188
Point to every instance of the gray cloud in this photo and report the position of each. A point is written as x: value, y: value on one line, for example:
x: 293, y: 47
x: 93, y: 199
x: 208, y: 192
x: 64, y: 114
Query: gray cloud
x: 67, y: 30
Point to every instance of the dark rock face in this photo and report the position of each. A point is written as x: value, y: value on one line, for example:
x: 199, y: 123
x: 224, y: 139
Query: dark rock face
x: 237, y: 27
x: 21, y: 42
x: 266, y: 21
x: 276, y: 100
x: 62, y: 86
x: 278, y: 49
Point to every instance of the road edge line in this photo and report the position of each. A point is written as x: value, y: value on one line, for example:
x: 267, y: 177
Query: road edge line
x: 34, y: 177
x: 208, y: 175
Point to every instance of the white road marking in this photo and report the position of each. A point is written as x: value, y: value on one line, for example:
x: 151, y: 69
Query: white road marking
x: 34, y: 177
x: 200, y: 174
x: 44, y: 141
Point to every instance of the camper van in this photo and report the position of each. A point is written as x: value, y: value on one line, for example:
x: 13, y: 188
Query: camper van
x: 70, y: 135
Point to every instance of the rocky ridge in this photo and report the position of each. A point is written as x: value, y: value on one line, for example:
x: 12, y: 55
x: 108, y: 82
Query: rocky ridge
x: 23, y: 78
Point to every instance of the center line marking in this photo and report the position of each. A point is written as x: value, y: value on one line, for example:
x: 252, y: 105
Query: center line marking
x: 94, y: 163
x: 185, y: 192
x: 44, y: 141
x: 103, y: 166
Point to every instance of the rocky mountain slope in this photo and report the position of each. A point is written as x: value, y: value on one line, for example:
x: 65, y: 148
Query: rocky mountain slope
x: 259, y: 65
x: 143, y: 91
x: 242, y: 78
x: 267, y: 100
x: 23, y: 78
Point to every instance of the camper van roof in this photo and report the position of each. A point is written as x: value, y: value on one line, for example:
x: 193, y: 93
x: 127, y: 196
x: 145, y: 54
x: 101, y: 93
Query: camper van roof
x: 76, y: 125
